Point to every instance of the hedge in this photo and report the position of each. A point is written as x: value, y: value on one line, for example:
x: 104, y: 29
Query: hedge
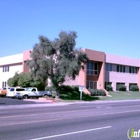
x: 96, y: 92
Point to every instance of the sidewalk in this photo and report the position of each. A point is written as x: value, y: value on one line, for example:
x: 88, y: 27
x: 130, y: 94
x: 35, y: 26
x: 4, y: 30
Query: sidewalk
x: 78, y: 102
x: 61, y: 103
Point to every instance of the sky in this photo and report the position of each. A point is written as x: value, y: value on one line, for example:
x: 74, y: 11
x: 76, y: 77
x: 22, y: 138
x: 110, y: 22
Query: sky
x: 110, y: 26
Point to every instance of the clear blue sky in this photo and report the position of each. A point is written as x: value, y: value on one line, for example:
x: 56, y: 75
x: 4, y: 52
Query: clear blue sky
x: 112, y: 26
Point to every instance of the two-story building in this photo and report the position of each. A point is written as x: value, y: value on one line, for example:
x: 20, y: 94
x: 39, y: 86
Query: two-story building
x: 101, y: 69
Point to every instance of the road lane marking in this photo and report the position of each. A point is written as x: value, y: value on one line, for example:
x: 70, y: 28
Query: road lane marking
x: 71, y: 133
x: 72, y: 111
x: 66, y: 118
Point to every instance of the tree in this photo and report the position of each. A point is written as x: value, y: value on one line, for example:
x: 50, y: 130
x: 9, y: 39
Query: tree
x: 24, y: 80
x: 13, y: 82
x: 57, y: 59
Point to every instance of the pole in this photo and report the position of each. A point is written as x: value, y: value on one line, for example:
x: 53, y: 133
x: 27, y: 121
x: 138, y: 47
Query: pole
x: 80, y: 95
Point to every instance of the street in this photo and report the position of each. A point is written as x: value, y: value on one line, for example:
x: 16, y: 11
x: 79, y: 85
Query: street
x: 84, y: 121
x: 8, y: 101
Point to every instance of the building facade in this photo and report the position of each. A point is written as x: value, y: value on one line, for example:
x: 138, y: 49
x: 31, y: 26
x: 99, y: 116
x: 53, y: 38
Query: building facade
x: 10, y: 65
x: 101, y: 69
x: 122, y: 70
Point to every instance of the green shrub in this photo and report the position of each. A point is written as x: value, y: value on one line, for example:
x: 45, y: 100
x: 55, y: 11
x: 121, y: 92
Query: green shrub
x: 102, y: 92
x: 121, y: 87
x: 96, y: 92
x: 134, y: 88
x: 72, y: 93
x: 109, y: 88
x: 51, y: 88
x: 68, y: 88
x: 69, y: 92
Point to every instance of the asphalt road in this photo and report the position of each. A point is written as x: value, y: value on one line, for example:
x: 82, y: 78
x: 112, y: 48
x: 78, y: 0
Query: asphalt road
x: 85, y: 121
x: 9, y: 101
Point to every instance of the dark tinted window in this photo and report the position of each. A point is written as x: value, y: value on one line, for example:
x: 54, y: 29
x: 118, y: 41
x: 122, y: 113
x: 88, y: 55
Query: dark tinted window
x: 33, y: 89
x: 12, y: 89
x: 20, y: 89
x: 123, y: 68
x: 92, y: 68
x: 117, y: 68
x: 96, y: 67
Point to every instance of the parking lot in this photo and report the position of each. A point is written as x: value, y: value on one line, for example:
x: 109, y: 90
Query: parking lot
x: 9, y: 101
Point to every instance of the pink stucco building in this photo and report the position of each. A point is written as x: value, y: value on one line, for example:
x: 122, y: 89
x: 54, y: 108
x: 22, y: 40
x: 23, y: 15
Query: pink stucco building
x: 103, y: 69
x: 100, y: 70
x: 122, y: 70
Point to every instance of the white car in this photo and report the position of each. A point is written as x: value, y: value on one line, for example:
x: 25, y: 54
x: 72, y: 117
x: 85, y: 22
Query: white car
x: 27, y: 93
x: 32, y: 92
x: 13, y: 92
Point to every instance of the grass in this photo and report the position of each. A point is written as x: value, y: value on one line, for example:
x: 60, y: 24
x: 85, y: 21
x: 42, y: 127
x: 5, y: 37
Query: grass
x: 121, y: 95
x: 70, y: 95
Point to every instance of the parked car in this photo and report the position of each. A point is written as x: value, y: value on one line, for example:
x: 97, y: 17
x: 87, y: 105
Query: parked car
x: 13, y: 91
x: 4, y: 91
x: 32, y: 92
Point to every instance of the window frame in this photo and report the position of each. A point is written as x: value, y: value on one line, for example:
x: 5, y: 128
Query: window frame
x: 92, y: 68
x: 121, y: 68
x: 5, y: 68
x: 108, y: 67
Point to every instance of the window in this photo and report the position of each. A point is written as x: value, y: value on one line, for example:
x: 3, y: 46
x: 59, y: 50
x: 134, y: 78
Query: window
x: 20, y: 89
x: 108, y: 67
x: 108, y: 86
x: 118, y: 85
x: 17, y: 89
x: 124, y: 69
x: 92, y: 68
x: 117, y: 68
x: 12, y: 89
x: 120, y: 68
x: 33, y: 90
x: 133, y: 70
x: 130, y: 84
x: 108, y: 83
x: 5, y: 68
x: 91, y: 85
x: 95, y: 68
x: 4, y: 84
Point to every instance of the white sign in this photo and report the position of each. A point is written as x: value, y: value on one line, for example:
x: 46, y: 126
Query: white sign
x: 81, y: 88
